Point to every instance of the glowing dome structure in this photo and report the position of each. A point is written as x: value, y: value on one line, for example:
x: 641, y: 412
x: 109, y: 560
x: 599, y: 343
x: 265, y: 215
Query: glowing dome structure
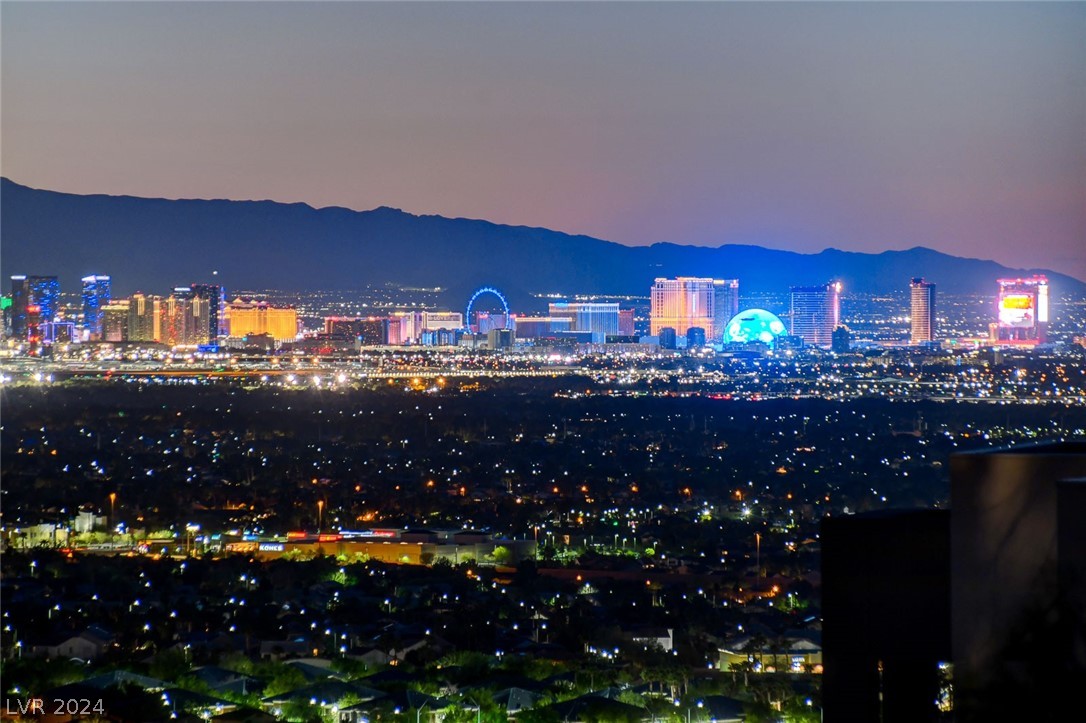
x: 753, y: 325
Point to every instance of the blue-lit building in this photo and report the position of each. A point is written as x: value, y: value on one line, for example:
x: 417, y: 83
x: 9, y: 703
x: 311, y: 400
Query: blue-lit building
x: 96, y: 294
x: 57, y: 332
x: 45, y: 292
x: 40, y: 292
x: 20, y: 292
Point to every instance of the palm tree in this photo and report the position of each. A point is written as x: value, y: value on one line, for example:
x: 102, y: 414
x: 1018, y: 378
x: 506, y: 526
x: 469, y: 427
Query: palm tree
x: 757, y: 644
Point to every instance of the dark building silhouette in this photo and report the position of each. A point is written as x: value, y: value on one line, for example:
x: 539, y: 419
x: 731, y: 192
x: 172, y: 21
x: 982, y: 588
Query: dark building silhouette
x: 695, y: 337
x: 668, y: 338
x: 500, y: 339
x: 996, y: 586
x: 842, y: 340
x: 1018, y: 581
x: 370, y: 331
x: 886, y: 614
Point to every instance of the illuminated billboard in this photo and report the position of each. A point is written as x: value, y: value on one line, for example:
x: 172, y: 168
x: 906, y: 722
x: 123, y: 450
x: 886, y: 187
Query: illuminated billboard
x: 1016, y: 310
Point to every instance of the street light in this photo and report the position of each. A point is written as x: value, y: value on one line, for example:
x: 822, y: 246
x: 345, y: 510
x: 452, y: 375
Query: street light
x: 190, y: 539
x: 112, y: 501
x: 320, y: 515
x: 688, y: 708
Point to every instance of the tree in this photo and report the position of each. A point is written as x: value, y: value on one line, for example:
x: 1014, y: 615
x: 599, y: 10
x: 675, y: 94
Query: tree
x: 284, y: 678
x: 169, y: 665
x: 298, y: 711
x: 502, y: 555
x: 538, y: 715
x: 756, y: 645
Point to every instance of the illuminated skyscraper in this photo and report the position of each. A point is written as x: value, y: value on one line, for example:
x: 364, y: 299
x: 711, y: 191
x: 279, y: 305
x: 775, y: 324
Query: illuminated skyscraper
x: 410, y: 323
x: 143, y: 319
x: 922, y: 311
x: 816, y: 312
x: 395, y: 335
x: 599, y: 319
x: 212, y: 296
x: 185, y: 318
x: 725, y: 306
x: 115, y: 320
x: 1022, y: 311
x: 96, y: 294
x: 687, y: 302
x: 20, y: 295
x: 175, y: 311
x: 626, y: 322
x: 40, y: 292
x: 45, y: 293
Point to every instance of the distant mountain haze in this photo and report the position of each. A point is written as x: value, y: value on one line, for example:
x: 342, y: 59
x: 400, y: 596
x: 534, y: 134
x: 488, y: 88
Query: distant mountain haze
x: 153, y: 244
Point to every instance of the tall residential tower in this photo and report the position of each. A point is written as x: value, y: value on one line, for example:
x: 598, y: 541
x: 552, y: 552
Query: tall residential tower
x: 921, y: 311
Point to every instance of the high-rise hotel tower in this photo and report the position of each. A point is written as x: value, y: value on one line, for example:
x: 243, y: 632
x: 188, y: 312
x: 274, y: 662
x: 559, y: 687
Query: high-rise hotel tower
x: 816, y: 312
x: 687, y: 302
x: 921, y: 311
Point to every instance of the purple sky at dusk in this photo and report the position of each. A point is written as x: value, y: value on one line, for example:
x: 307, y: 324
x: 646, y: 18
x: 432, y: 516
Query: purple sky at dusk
x: 862, y: 126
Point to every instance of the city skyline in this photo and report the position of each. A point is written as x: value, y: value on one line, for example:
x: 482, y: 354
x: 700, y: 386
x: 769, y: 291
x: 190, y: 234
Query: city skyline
x: 702, y: 312
x: 697, y: 124
x: 728, y: 362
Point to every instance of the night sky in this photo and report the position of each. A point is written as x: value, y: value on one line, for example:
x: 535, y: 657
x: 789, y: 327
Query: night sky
x: 862, y: 126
